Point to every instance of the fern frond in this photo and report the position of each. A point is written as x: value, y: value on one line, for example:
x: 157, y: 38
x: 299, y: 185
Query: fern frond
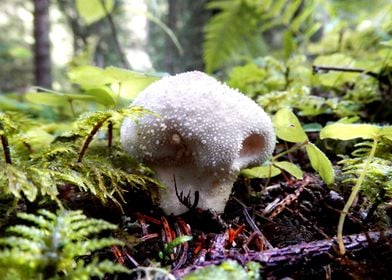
x: 379, y: 172
x: 227, y: 31
x: 100, y: 173
x: 75, y: 178
x: 82, y: 228
x: 87, y: 121
x: 31, y: 233
x: 45, y: 180
x: 43, y: 221
x: 12, y: 123
x: 239, y: 24
x: 19, y: 183
x: 95, y: 269
x: 52, y: 244
x: 21, y: 244
x: 86, y: 247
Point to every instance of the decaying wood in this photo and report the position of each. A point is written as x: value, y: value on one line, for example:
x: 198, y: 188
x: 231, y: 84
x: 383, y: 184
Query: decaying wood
x: 321, y: 252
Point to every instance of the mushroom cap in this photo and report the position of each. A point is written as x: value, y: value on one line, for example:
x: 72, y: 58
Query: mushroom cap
x: 204, y: 133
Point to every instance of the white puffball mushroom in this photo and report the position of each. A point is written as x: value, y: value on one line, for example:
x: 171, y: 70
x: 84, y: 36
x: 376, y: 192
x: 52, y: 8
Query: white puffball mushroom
x: 203, y: 134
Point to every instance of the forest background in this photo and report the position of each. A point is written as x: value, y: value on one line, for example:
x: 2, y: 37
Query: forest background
x: 328, y: 61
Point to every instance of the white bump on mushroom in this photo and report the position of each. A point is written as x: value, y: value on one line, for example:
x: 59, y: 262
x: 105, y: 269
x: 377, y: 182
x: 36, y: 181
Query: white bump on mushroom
x: 208, y: 132
x: 175, y: 139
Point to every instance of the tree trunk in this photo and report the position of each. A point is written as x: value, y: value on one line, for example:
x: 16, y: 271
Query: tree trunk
x: 170, y: 49
x: 42, y: 61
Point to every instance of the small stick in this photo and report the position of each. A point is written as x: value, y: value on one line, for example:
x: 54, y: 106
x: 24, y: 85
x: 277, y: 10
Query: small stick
x: 90, y: 138
x: 110, y: 134
x: 253, y: 225
x: 317, y: 68
x: 6, y: 149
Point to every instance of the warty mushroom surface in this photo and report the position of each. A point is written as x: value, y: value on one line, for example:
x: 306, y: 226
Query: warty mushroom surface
x: 203, y: 134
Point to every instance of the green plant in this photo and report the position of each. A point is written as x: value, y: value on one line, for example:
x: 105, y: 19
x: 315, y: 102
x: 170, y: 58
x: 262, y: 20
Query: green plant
x: 108, y: 88
x: 288, y: 128
x: 56, y: 246
x: 276, y: 84
x: 363, y: 167
x: 170, y: 246
x: 143, y: 272
x: 226, y: 270
x: 227, y: 38
x: 34, y: 171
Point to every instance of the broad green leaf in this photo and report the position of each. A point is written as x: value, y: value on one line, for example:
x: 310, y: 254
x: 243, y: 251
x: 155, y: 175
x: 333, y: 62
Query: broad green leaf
x: 103, y: 95
x: 55, y: 99
x: 342, y: 131
x: 288, y: 127
x: 8, y: 102
x: 89, y: 76
x: 320, y: 163
x: 122, y: 75
x: 290, y: 168
x: 124, y: 83
x: 178, y: 241
x: 130, y: 82
x: 92, y: 10
x: 264, y: 171
x: 129, y: 90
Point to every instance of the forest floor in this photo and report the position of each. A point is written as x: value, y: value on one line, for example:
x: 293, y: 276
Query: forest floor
x: 289, y: 228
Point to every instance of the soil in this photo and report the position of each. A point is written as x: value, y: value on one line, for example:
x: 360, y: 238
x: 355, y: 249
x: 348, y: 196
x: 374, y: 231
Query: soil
x: 288, y: 227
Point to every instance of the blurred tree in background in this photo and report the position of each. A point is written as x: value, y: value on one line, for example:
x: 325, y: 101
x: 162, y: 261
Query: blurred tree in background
x: 42, y: 60
x: 16, y: 68
x: 186, y: 19
x: 175, y: 36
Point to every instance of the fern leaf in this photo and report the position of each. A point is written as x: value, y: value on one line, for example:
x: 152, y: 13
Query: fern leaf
x: 226, y: 32
x: 52, y: 245
x: 86, y: 247
x: 83, y: 228
x: 44, y: 179
x: 7, y: 125
x: 95, y: 269
x: 18, y: 183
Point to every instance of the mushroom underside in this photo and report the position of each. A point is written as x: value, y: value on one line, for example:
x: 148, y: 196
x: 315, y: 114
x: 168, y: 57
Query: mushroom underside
x: 213, y: 189
x: 212, y: 185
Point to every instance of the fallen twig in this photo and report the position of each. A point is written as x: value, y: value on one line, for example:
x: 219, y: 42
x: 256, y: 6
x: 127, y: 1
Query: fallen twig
x: 320, y: 252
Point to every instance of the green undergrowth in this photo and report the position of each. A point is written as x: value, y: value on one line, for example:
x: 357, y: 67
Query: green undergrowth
x: 368, y: 168
x: 326, y: 86
x: 36, y: 162
x: 225, y: 271
x: 70, y: 140
x: 56, y: 246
